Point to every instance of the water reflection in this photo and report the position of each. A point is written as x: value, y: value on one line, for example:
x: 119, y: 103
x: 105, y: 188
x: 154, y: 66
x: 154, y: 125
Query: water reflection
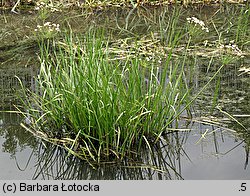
x: 161, y: 163
x: 17, y: 147
x: 206, y: 152
x: 16, y: 144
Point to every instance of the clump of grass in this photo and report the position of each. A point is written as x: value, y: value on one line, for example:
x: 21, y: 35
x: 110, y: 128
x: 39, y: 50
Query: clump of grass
x: 98, y: 107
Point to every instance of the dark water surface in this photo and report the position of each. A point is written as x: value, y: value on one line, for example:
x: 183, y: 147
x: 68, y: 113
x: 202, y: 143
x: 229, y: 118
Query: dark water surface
x: 203, y: 150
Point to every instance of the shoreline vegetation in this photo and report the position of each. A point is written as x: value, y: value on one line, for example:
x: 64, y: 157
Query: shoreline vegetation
x: 26, y: 4
x: 107, y: 93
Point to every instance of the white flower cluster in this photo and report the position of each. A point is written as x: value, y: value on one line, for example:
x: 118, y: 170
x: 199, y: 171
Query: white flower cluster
x: 196, y: 21
x: 42, y: 5
x: 48, y: 26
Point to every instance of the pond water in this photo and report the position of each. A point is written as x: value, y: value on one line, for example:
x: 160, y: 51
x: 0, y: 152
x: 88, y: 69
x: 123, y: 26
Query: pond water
x: 203, y: 150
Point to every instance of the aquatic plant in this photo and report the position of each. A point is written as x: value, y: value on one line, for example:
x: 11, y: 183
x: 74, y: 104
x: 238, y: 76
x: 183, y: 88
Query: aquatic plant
x: 242, y: 33
x: 169, y: 27
x: 196, y: 21
x: 47, y: 30
x: 96, y: 106
x: 99, y: 106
